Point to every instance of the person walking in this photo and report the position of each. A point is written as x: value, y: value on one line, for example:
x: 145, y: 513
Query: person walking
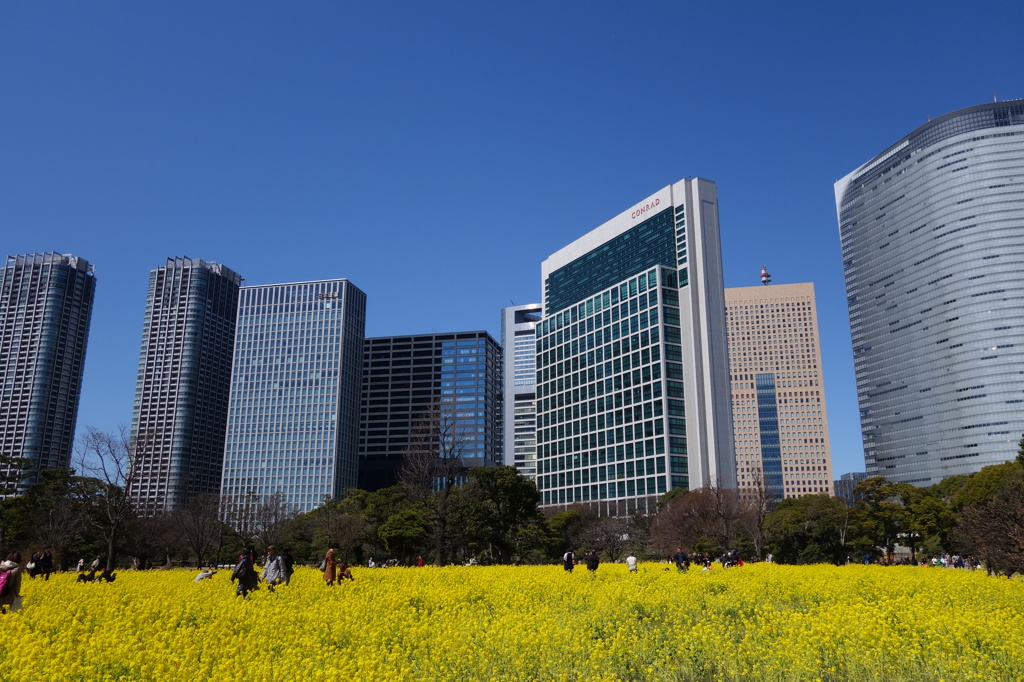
x: 46, y: 565
x: 590, y: 559
x: 274, y: 572
x: 289, y: 565
x: 10, y: 576
x: 568, y: 560
x: 682, y: 561
x: 35, y: 564
x: 245, y: 573
x: 631, y: 562
x: 330, y: 566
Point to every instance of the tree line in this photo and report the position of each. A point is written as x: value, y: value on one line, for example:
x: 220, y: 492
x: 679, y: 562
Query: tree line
x: 447, y: 512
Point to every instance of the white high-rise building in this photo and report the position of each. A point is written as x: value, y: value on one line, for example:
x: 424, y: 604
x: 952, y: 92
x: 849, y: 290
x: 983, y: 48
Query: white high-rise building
x: 519, y: 348
x: 632, y: 363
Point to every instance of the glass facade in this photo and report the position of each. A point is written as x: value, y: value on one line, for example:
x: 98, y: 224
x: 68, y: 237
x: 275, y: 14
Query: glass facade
x: 930, y: 231
x: 519, y: 341
x: 768, y: 425
x: 611, y: 396
x: 293, y: 416
x: 455, y: 377
x: 181, y: 394
x: 632, y: 363
x: 649, y: 243
x: 45, y: 308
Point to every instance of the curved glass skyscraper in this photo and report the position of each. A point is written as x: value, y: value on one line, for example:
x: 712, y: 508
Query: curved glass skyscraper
x: 932, y: 234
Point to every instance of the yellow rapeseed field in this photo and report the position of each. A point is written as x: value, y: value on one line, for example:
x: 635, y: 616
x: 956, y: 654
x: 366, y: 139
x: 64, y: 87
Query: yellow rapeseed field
x: 760, y: 621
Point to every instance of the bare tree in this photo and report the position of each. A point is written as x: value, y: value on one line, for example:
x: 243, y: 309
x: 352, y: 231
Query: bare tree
x: 200, y: 524
x: 703, y: 520
x: 756, y: 502
x: 339, y: 522
x: 108, y: 459
x: 433, y: 466
x: 608, y: 534
x: 269, y: 521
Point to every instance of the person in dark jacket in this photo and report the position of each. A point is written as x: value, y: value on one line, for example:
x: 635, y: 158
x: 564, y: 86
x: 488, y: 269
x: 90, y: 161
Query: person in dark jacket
x: 590, y: 559
x: 245, y: 573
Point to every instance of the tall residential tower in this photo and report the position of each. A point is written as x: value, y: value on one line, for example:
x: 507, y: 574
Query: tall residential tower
x: 632, y: 363
x: 181, y: 395
x: 778, y: 391
x: 932, y: 233
x: 45, y: 307
x: 293, y: 415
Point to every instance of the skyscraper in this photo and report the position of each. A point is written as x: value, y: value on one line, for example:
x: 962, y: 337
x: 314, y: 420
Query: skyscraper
x: 452, y: 377
x: 632, y: 364
x: 45, y: 307
x: 778, y: 390
x: 293, y: 415
x: 932, y: 233
x: 519, y: 350
x: 181, y: 395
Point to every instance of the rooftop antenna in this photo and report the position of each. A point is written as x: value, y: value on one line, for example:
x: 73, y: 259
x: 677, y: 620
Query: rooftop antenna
x: 765, y: 277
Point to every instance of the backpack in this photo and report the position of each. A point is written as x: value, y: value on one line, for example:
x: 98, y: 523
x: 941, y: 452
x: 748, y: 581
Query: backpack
x: 5, y: 583
x: 241, y: 569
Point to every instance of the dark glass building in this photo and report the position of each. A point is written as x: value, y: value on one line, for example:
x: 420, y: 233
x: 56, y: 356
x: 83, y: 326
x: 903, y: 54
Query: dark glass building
x: 45, y: 307
x: 409, y: 379
x: 181, y: 395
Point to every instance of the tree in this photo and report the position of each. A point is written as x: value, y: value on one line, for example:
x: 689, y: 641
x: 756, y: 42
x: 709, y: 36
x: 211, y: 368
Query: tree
x: 340, y: 522
x: 403, y: 532
x: 706, y: 520
x: 47, y: 514
x: 499, y: 511
x: 807, y: 530
x: 879, y: 516
x: 108, y: 459
x: 200, y: 525
x: 566, y: 529
x: 993, y: 530
x: 755, y: 503
x: 269, y: 520
x: 928, y: 519
x: 434, y: 465
x: 381, y: 506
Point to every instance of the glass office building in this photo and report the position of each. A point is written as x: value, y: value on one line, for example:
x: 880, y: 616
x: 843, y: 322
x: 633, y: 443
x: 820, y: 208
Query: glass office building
x: 632, y: 364
x: 932, y: 234
x: 293, y: 413
x: 45, y: 307
x: 519, y: 350
x: 780, y: 420
x: 454, y: 378
x: 181, y: 394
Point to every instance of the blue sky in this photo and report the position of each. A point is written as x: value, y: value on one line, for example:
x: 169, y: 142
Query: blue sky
x: 436, y: 153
